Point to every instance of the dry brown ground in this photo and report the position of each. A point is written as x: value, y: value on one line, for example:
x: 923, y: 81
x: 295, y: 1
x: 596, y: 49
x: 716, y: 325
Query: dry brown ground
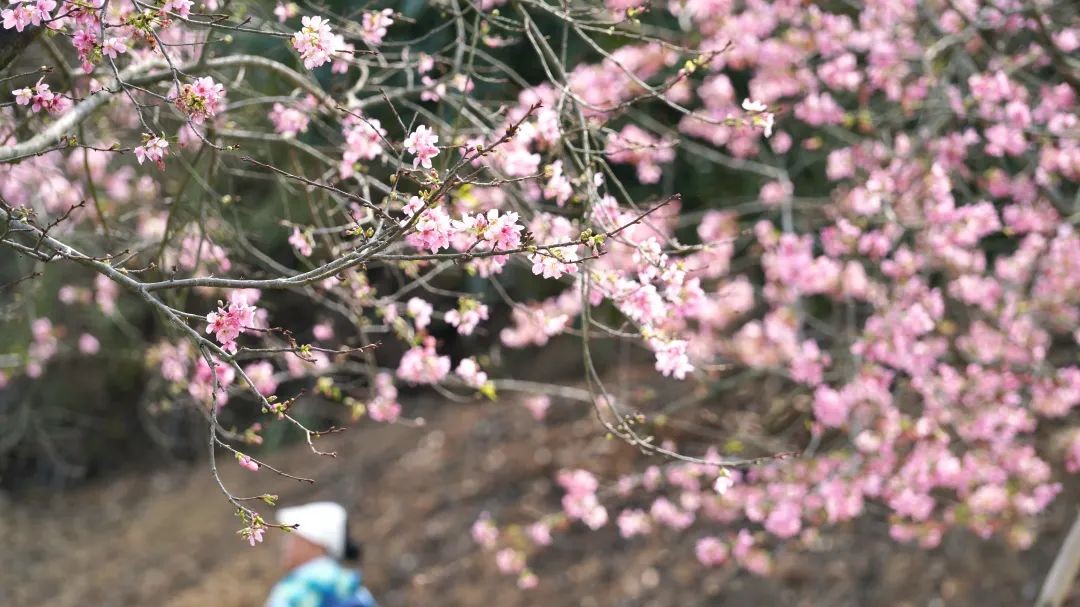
x: 167, y: 539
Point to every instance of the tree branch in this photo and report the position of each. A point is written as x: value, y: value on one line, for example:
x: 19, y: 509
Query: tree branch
x: 141, y: 75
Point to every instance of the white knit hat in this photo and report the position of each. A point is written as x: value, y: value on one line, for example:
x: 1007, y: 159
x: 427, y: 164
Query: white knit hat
x: 321, y: 523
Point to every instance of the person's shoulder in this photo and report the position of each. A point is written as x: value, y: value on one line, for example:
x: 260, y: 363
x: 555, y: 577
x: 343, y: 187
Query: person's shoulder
x: 307, y: 585
x: 292, y: 592
x: 325, y: 571
x: 311, y: 582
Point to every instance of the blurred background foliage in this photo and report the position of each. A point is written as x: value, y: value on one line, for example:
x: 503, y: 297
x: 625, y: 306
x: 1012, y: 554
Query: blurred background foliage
x: 89, y: 415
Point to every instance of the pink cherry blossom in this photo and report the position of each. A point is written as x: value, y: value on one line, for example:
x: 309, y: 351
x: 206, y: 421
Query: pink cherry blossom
x: 374, y: 24
x: 634, y: 145
x: 113, y: 47
x: 671, y: 358
x: 484, y: 531
x: 467, y: 316
x: 384, y: 407
x: 323, y: 331
x: 538, y: 405
x: 285, y: 11
x: 420, y: 311
x: 18, y: 18
x: 40, y: 97
x: 178, y: 7
x: 153, y: 149
x: 761, y: 116
x: 527, y: 580
x: 421, y: 143
x: 711, y: 552
x: 540, y: 533
x: 431, y: 231
x: 469, y: 372
x: 88, y: 344
x: 314, y: 41
x: 558, y: 187
x: 247, y: 462
x: 211, y: 383
x: 228, y: 323
x: 509, y: 560
x: 363, y: 141
x: 916, y: 306
x: 262, y: 375
x: 723, y: 483
x: 422, y: 365
x: 580, y: 501
x: 254, y: 534
x: 554, y: 263
x: 632, y: 523
x: 200, y: 99
x: 23, y: 96
x: 289, y: 121
x: 301, y: 242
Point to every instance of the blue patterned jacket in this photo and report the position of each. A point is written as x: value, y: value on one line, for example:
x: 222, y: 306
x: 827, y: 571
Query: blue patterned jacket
x: 321, y: 583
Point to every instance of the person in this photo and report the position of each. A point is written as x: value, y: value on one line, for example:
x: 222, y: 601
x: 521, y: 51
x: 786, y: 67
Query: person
x: 312, y: 553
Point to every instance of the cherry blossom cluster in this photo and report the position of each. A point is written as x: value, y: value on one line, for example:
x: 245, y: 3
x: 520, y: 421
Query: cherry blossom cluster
x: 199, y: 100
x: 286, y: 10
x: 374, y: 24
x: 178, y: 7
x: 421, y: 143
x: 302, y: 242
x: 421, y: 364
x: 39, y: 98
x: 189, y: 372
x: 153, y: 149
x: 364, y: 140
x: 314, y: 42
x: 24, y: 13
x: 291, y: 121
x: 973, y: 349
x: 384, y: 407
x: 633, y: 145
x: 229, y: 322
x: 467, y: 316
x: 898, y: 254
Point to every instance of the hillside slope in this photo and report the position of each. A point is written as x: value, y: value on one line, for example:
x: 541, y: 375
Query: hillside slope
x: 167, y: 539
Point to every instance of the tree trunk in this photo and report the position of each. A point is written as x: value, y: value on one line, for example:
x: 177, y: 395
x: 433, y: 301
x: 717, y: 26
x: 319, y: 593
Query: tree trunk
x: 12, y: 43
x: 1060, y: 579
